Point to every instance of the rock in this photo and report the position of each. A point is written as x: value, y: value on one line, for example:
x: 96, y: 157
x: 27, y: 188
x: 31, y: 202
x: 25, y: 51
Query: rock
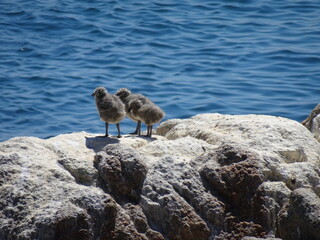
x: 312, y: 122
x: 43, y: 193
x: 236, y: 177
x: 209, y: 177
x: 253, y: 164
x: 122, y: 170
x: 269, y: 199
x: 173, y: 175
x: 141, y: 222
x: 256, y: 132
x: 167, y: 210
x: 41, y: 200
x: 300, y: 219
x: 254, y: 238
x: 82, y: 171
x: 123, y: 228
x: 98, y: 143
x: 286, y: 148
x: 237, y: 230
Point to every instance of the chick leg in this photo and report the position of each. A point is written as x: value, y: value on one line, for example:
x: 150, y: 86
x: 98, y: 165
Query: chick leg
x: 149, y: 132
x: 137, y: 128
x: 118, y: 127
x: 107, y: 127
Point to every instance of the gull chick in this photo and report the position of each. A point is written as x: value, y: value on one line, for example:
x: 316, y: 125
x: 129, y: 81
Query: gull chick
x: 129, y: 99
x: 148, y: 113
x: 110, y: 108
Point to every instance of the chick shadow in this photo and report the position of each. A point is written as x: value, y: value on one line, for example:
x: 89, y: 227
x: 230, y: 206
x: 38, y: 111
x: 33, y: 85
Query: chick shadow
x: 98, y: 143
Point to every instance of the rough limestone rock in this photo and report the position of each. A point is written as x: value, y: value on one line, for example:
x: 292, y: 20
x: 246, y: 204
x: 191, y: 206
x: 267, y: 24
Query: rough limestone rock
x: 312, y: 122
x: 39, y: 199
x: 210, y: 177
x: 48, y: 191
x: 122, y: 170
x: 300, y: 218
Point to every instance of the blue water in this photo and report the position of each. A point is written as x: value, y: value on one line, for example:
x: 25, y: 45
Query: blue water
x: 189, y: 56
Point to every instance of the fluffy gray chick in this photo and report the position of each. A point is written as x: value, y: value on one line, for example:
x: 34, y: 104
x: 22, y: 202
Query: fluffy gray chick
x: 129, y: 99
x: 148, y: 113
x: 110, y: 108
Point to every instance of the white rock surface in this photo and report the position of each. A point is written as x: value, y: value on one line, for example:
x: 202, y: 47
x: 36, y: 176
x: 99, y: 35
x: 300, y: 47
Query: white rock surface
x: 287, y: 148
x: 201, y: 172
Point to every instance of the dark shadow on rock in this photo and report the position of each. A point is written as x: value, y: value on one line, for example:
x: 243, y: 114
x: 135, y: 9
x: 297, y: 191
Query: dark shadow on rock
x: 98, y: 143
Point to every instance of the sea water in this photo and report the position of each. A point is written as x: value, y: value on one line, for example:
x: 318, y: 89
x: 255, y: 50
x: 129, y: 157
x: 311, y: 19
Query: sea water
x: 189, y: 57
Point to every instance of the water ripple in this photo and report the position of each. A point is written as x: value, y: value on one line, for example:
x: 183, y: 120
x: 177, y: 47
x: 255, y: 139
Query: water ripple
x: 234, y: 57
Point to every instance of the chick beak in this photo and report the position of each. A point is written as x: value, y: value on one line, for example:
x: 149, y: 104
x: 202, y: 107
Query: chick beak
x: 92, y: 94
